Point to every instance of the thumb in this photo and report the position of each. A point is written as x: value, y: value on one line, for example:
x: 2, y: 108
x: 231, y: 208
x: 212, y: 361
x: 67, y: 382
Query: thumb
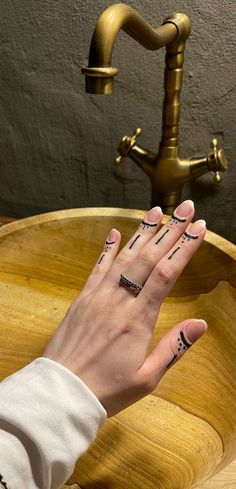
x: 171, y: 348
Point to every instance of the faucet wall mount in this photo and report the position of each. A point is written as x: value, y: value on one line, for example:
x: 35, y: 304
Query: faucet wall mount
x: 168, y: 173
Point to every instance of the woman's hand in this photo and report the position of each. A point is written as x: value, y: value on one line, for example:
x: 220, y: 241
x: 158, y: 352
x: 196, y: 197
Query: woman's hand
x: 105, y: 335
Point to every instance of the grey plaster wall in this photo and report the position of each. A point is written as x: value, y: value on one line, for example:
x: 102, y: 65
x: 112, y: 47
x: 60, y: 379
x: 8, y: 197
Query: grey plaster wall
x: 57, y: 144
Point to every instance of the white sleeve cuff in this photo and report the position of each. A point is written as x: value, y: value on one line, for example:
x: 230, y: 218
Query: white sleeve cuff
x: 48, y: 419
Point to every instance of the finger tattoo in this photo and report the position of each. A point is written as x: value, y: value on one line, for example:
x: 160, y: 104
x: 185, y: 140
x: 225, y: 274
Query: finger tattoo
x: 175, y: 251
x: 132, y: 244
x: 107, y: 247
x: 182, y: 345
x: 147, y: 225
x: 100, y: 259
x: 161, y: 237
x: 176, y: 220
x: 186, y: 237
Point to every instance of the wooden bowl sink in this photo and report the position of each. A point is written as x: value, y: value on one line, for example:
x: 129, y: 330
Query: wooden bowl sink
x: 186, y: 430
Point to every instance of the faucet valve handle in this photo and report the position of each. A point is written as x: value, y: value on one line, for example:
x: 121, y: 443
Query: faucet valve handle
x: 126, y: 144
x: 217, y: 161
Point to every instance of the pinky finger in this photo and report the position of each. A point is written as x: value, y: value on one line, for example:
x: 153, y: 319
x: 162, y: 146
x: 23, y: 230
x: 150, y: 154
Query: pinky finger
x: 171, y: 348
x: 103, y: 263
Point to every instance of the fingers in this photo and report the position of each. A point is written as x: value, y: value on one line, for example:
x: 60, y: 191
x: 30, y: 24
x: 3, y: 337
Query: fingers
x: 104, y: 262
x: 146, y: 230
x: 168, y: 269
x: 149, y: 253
x: 170, y: 349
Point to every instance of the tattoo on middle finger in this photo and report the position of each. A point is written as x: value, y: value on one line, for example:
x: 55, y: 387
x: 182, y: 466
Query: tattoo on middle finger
x: 176, y: 220
x: 162, y: 236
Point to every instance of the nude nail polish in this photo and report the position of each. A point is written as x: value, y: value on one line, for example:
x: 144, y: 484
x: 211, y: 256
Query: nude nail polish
x: 197, y: 227
x: 112, y: 235
x: 154, y: 215
x: 195, y: 329
x: 184, y: 209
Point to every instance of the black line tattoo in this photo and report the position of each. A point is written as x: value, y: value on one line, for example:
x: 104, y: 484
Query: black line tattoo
x: 186, y: 237
x: 172, y: 361
x: 108, y: 245
x: 169, y: 257
x: 162, y: 236
x: 186, y: 343
x: 100, y: 260
x: 175, y: 220
x: 132, y: 244
x: 183, y: 344
x: 145, y: 224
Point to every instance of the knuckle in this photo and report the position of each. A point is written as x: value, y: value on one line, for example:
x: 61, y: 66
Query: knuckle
x: 163, y: 273
x: 121, y: 259
x: 149, y: 384
x: 146, y: 257
x: 96, y: 269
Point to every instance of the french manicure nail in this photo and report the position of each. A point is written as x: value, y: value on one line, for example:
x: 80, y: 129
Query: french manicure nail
x: 195, y: 329
x: 184, y: 209
x: 197, y: 227
x: 112, y: 235
x: 154, y: 215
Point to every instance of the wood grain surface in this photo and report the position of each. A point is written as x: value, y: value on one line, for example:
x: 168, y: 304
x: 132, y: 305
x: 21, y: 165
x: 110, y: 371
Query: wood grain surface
x: 185, y: 431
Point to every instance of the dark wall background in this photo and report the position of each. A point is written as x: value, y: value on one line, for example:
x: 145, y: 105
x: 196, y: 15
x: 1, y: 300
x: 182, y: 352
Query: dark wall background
x: 57, y: 144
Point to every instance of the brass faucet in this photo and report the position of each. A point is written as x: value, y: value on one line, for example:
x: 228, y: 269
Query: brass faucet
x: 166, y: 170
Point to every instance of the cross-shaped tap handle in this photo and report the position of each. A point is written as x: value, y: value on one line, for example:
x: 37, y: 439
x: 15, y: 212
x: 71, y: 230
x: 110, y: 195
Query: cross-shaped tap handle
x: 126, y: 144
x: 217, y: 161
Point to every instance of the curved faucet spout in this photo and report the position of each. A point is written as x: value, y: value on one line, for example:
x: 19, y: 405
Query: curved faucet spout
x: 121, y: 16
x: 99, y: 74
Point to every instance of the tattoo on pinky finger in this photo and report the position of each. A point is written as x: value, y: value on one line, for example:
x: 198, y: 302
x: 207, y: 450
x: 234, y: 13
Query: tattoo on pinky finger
x: 101, y: 258
x: 107, y: 247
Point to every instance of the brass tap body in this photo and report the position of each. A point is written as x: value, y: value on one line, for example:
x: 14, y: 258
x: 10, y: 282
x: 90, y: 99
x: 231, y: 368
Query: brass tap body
x: 167, y: 171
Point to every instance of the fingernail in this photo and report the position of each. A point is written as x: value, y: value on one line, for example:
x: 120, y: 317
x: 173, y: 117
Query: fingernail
x: 154, y: 215
x: 112, y: 235
x: 195, y: 329
x: 184, y: 209
x: 197, y: 227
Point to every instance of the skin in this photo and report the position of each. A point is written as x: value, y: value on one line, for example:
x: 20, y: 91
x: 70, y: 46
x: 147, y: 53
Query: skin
x: 105, y: 335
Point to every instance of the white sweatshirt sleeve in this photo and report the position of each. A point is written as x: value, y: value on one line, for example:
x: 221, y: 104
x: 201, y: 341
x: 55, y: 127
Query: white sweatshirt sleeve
x: 48, y: 419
